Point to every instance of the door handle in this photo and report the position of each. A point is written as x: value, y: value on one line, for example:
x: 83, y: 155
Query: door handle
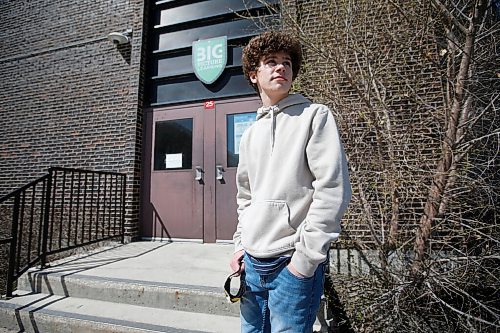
x: 219, y: 172
x: 198, y: 174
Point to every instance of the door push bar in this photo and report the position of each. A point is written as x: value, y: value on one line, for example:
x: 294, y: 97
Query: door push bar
x: 219, y: 172
x: 198, y: 173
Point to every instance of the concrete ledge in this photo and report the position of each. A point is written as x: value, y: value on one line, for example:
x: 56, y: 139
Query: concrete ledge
x: 355, y: 263
x: 50, y: 313
x: 202, y: 299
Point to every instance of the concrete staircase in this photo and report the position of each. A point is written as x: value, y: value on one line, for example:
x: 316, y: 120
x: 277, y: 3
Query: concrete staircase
x: 138, y: 287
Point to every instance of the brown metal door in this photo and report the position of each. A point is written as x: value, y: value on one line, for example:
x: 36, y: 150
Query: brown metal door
x: 191, y: 156
x: 232, y: 118
x: 173, y: 178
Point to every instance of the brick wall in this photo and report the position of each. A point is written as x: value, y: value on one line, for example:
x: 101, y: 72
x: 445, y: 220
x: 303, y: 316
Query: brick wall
x: 68, y: 96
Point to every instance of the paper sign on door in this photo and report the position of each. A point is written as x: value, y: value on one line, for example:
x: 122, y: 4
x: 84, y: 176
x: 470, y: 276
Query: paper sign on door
x: 173, y: 161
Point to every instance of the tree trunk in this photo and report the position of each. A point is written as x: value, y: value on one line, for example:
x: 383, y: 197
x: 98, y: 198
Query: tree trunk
x: 447, y: 163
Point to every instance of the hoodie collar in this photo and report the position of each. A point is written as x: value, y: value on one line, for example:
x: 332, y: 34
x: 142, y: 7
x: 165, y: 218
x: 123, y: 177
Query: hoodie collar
x: 269, y: 111
x: 273, y: 110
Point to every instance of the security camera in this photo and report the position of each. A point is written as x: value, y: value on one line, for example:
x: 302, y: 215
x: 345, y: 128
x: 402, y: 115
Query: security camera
x: 119, y: 38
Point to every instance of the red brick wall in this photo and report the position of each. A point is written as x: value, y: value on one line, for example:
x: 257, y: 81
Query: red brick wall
x: 68, y: 96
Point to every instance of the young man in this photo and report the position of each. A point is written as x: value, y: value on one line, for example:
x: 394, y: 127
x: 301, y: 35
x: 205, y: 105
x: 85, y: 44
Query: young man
x: 293, y: 188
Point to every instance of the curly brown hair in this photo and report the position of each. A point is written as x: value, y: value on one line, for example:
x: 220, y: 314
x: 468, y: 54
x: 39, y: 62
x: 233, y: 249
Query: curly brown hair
x: 266, y: 44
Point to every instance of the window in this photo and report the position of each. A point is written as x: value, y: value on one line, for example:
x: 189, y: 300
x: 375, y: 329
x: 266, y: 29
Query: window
x: 173, y: 144
x: 236, y: 125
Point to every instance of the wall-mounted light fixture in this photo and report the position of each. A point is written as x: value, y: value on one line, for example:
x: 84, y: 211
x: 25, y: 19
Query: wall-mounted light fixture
x: 119, y: 38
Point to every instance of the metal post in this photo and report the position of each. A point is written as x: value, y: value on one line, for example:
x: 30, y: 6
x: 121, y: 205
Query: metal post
x: 46, y: 219
x: 78, y: 207
x: 98, y: 205
x: 124, y: 189
x: 61, y: 215
x: 20, y: 233
x: 104, y: 206
x: 13, y: 247
x: 70, y: 213
x: 84, y: 206
x: 91, y: 207
x: 116, y: 197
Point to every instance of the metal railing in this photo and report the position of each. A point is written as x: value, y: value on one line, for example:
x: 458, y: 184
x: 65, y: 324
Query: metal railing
x: 62, y: 210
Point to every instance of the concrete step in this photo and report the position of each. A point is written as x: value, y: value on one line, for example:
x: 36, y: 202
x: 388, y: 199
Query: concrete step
x: 56, y: 313
x: 137, y: 287
x: 154, y: 294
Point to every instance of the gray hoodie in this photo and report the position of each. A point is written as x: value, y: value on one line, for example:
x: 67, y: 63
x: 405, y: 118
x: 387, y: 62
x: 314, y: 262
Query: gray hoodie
x: 293, y: 184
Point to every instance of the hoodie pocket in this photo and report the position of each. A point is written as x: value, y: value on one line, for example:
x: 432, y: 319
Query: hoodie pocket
x: 266, y: 228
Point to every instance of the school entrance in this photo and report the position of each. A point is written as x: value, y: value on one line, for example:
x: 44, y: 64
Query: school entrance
x: 191, y: 155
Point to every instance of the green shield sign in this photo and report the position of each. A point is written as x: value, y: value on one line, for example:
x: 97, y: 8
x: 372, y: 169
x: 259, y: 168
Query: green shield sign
x: 209, y: 58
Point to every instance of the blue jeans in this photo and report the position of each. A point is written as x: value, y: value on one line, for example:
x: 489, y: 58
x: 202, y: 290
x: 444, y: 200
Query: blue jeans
x: 280, y: 302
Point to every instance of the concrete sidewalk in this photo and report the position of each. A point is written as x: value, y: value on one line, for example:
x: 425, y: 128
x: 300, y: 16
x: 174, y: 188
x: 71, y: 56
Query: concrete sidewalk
x: 172, y: 263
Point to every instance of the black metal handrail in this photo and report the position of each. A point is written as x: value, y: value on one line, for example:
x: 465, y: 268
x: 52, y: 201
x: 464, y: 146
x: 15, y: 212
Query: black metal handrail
x: 65, y: 209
